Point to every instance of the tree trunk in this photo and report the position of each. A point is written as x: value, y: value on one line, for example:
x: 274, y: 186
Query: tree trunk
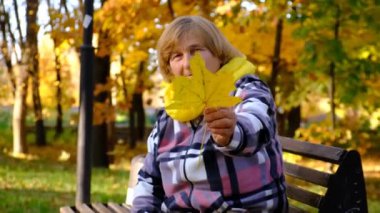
x: 332, y: 94
x: 4, y: 19
x: 136, y: 119
x: 33, y: 69
x: 281, y: 118
x: 204, y: 8
x: 21, y: 78
x: 59, y: 120
x: 276, y: 58
x: 19, y: 111
x: 139, y: 106
x: 171, y: 10
x: 102, y: 138
x: 126, y: 97
x: 100, y: 131
x: 137, y: 130
x: 281, y: 122
x: 294, y: 121
x: 332, y: 70
x: 110, y: 139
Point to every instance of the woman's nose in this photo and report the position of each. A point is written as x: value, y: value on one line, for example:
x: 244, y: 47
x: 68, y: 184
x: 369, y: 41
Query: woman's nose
x: 186, y: 65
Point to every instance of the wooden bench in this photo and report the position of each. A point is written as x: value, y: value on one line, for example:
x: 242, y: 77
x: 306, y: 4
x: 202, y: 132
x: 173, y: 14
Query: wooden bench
x: 344, y: 188
x: 96, y: 207
x: 308, y: 188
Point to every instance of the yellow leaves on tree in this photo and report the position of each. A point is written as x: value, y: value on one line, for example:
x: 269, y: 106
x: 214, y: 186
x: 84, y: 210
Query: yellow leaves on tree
x: 132, y: 58
x: 126, y: 18
x: 257, y: 39
x: 186, y: 97
x: 184, y: 7
x: 103, y: 111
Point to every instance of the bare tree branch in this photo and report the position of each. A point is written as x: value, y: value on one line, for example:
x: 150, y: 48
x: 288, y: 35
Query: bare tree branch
x: 21, y: 42
x: 171, y: 10
x: 5, y: 47
x: 64, y: 5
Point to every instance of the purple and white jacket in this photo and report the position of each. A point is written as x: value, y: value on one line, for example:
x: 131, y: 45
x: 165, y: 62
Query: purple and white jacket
x: 246, y: 175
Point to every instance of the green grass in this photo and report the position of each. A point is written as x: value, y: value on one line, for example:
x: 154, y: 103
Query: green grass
x: 373, y: 206
x: 44, y: 186
x: 373, y: 194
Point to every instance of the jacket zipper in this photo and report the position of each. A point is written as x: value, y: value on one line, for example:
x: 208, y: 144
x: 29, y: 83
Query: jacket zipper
x: 194, y: 129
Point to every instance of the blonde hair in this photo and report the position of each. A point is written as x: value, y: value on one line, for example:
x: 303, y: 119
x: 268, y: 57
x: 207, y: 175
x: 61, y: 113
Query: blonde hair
x: 211, y: 36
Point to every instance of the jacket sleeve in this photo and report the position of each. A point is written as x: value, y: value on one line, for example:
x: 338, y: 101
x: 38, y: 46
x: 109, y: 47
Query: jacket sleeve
x: 148, y: 193
x: 256, y: 118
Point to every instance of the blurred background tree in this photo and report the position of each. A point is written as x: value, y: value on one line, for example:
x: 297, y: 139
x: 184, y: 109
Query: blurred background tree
x: 320, y: 59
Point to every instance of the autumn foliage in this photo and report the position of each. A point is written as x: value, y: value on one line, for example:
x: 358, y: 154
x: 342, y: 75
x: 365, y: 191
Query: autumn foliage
x: 320, y: 59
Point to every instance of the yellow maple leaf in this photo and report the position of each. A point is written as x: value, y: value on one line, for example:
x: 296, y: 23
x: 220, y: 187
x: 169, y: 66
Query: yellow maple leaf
x: 187, y: 96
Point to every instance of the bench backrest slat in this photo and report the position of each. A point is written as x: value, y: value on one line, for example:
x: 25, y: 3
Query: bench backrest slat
x: 315, y: 151
x: 304, y: 196
x: 307, y: 174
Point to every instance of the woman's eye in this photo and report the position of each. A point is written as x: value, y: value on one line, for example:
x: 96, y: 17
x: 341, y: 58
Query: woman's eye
x: 174, y: 56
x: 193, y: 51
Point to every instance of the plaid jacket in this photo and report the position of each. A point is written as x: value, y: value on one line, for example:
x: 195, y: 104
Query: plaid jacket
x: 246, y: 174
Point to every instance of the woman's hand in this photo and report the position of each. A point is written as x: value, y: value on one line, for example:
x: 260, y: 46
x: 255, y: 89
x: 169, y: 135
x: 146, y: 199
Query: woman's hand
x: 221, y: 122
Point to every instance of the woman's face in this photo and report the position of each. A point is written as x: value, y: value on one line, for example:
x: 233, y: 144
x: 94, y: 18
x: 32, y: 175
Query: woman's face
x: 179, y: 60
